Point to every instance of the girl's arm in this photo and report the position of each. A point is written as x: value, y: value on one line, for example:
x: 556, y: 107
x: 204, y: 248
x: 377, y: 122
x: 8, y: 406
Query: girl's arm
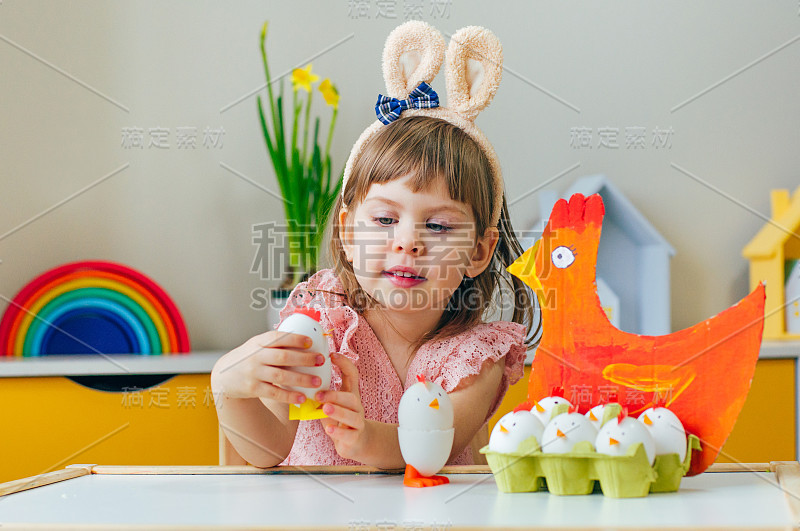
x: 375, y: 443
x: 262, y: 436
x: 252, y: 407
x: 471, y: 400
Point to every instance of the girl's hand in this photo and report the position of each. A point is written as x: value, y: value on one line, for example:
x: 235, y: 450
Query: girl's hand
x: 264, y: 363
x: 345, y: 424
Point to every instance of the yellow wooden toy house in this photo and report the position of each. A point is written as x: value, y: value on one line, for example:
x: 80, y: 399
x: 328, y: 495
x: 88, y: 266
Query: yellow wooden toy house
x: 776, y: 243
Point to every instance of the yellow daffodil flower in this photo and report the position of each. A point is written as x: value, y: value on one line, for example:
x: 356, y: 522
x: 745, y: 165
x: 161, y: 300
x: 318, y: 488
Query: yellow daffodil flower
x: 302, y: 78
x: 330, y: 93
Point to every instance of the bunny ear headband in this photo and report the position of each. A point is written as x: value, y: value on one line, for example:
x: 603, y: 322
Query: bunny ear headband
x: 412, y: 56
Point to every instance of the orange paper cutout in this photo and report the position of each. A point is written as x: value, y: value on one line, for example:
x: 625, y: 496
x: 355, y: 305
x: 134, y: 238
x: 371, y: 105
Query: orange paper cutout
x: 702, y: 372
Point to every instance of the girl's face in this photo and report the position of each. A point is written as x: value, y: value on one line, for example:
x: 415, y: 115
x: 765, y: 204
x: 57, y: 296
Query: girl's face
x: 411, y: 250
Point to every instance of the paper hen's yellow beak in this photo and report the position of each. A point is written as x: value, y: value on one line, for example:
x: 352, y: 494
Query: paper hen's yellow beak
x: 524, y: 268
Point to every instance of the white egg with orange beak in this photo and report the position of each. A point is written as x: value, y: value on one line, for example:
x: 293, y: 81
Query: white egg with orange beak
x: 544, y: 408
x: 514, y: 428
x: 306, y: 321
x: 595, y: 415
x: 566, y: 430
x: 667, y: 431
x: 619, y: 434
x: 425, y: 432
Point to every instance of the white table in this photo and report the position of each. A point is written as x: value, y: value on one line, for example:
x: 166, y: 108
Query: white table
x: 226, y: 497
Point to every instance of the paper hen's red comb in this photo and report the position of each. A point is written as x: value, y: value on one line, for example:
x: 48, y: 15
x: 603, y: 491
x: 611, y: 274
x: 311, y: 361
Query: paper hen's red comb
x: 578, y: 212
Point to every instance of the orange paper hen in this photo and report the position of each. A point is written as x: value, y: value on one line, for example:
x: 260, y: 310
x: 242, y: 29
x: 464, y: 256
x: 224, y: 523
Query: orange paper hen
x: 702, y: 373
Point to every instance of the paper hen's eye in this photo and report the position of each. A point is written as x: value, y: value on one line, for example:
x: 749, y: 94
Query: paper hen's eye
x: 563, y: 257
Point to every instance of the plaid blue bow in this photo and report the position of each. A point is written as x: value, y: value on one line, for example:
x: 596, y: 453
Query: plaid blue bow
x: 389, y: 109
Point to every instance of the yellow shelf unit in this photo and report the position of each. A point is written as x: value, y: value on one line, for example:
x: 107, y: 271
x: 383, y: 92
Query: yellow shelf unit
x: 51, y: 421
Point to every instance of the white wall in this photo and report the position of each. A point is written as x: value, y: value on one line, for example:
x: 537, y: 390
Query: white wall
x: 180, y: 217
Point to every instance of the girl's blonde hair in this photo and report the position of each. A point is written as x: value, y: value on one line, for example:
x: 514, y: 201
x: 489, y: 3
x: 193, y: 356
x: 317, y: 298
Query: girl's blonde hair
x: 430, y: 148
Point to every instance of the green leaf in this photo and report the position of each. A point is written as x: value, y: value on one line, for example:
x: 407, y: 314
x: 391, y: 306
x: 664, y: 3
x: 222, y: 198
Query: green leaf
x: 280, y: 139
x: 315, y: 173
x: 273, y: 155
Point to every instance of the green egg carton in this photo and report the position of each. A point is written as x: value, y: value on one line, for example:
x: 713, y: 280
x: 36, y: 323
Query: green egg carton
x: 670, y: 470
x: 575, y: 473
x: 518, y: 471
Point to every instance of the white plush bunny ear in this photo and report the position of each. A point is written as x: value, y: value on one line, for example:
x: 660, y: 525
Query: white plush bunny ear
x: 474, y: 66
x: 413, y: 53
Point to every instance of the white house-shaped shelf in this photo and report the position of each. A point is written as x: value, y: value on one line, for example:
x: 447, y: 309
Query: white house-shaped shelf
x: 633, y: 258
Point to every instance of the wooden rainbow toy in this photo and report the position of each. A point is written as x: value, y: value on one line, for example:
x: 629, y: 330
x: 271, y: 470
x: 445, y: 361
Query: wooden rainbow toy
x: 92, y: 307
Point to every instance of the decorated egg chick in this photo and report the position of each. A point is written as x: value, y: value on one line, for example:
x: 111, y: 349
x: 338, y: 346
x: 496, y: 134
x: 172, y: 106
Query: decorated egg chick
x: 544, y: 407
x: 425, y: 432
x: 514, y: 428
x: 597, y: 413
x: 566, y: 430
x: 667, y: 431
x: 306, y: 321
x: 595, y: 416
x: 619, y: 434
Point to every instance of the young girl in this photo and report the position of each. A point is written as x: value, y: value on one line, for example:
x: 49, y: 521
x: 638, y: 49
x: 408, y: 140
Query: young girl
x: 420, y: 242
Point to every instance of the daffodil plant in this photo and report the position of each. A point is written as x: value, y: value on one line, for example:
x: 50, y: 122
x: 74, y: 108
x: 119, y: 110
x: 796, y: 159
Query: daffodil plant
x: 303, y: 172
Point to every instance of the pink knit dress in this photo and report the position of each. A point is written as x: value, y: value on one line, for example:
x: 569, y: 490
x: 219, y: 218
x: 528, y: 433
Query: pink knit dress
x: 445, y: 362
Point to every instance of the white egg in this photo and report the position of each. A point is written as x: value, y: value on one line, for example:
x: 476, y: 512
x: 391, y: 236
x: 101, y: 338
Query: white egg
x: 303, y: 323
x: 544, y: 407
x: 615, y: 437
x: 425, y: 431
x: 425, y: 406
x: 512, y: 429
x: 667, y: 431
x: 595, y: 416
x: 566, y: 430
x: 426, y: 450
